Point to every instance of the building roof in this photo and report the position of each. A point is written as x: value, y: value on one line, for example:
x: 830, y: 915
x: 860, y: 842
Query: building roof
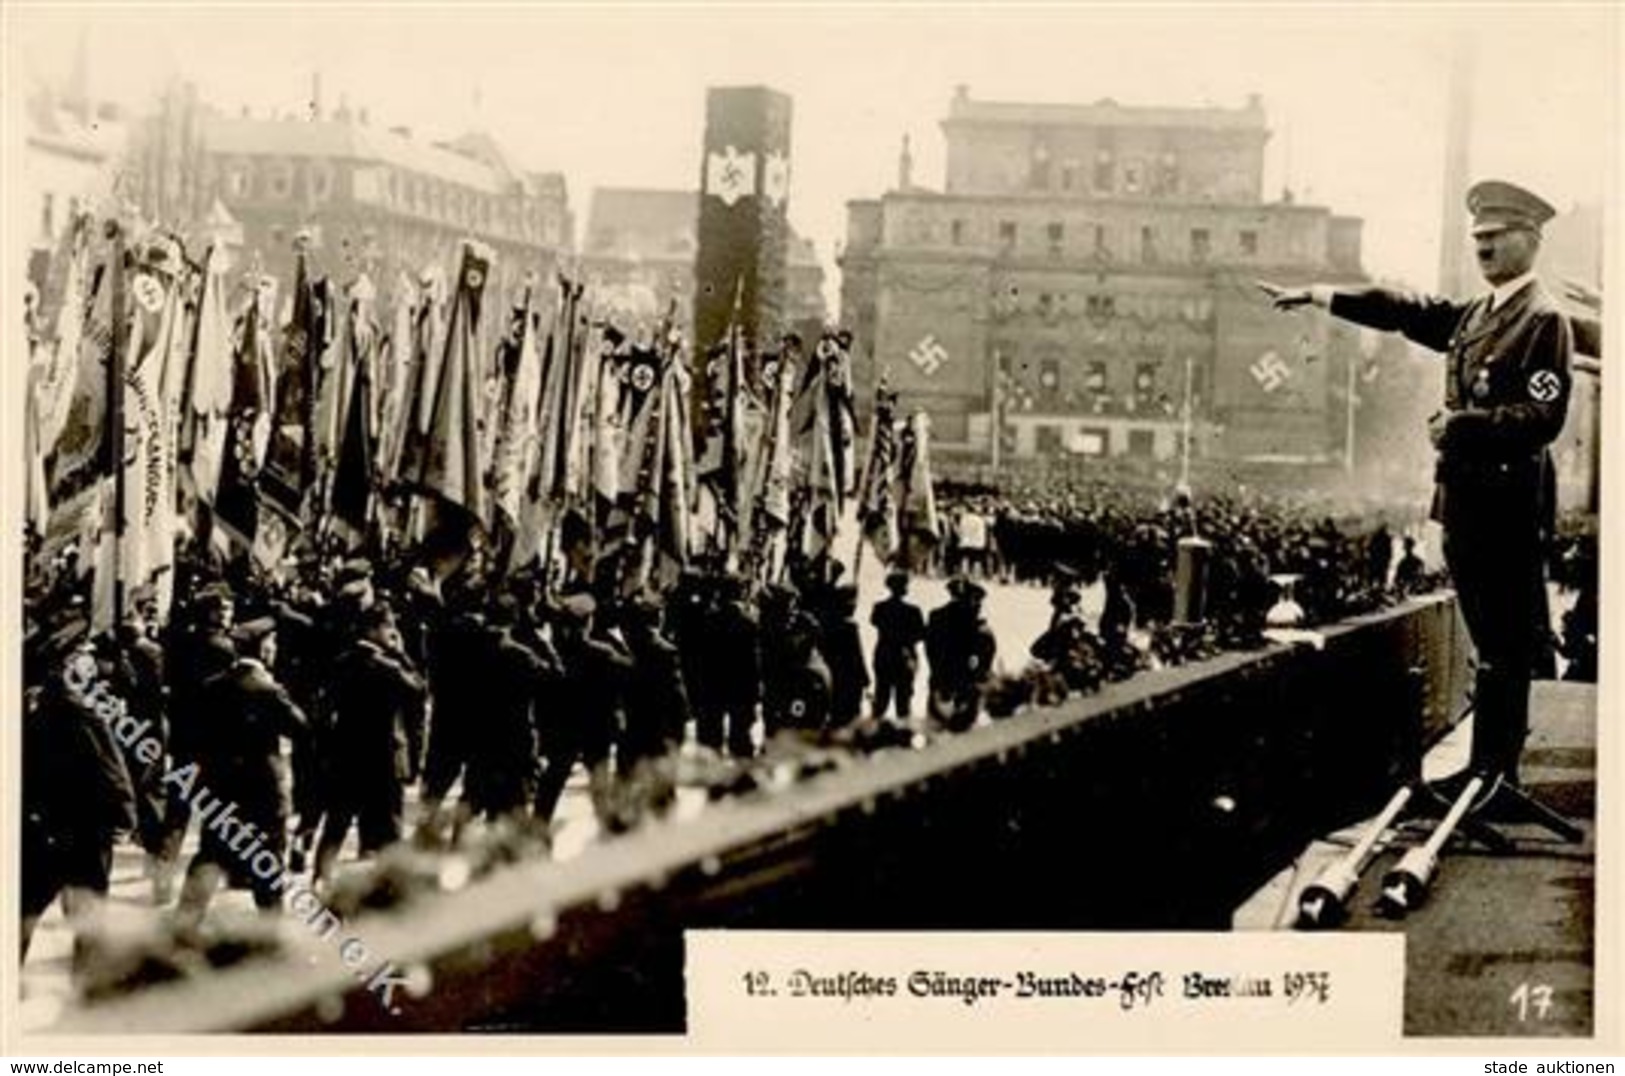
x: 1104, y: 113
x: 357, y: 142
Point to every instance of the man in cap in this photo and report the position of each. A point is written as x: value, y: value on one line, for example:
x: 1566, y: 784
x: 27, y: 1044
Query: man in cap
x: 960, y: 648
x: 376, y: 738
x: 899, y: 627
x: 1509, y: 355
x: 241, y: 764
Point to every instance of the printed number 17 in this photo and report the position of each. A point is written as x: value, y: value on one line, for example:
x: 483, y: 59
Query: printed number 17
x: 1538, y: 997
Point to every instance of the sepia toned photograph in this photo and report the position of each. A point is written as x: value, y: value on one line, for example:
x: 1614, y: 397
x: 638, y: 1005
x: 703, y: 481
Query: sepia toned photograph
x: 1068, y: 528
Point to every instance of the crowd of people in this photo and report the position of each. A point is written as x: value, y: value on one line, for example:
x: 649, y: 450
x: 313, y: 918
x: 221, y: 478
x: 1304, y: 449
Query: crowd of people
x: 314, y: 698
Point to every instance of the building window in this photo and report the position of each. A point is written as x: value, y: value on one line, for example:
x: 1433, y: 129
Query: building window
x: 1148, y: 243
x: 1145, y: 382
x: 1249, y: 243
x: 1167, y: 181
x: 1069, y: 175
x: 279, y: 181
x: 957, y: 231
x: 320, y: 178
x: 1201, y: 244
x: 1049, y: 376
x: 1094, y: 376
x: 1103, y: 171
x: 1049, y: 439
x: 1007, y: 234
x: 1038, y: 175
x: 1131, y: 178
x: 1100, y: 306
x: 237, y: 182
x: 1100, y: 241
x: 1057, y: 237
x: 1142, y: 443
x: 1091, y: 442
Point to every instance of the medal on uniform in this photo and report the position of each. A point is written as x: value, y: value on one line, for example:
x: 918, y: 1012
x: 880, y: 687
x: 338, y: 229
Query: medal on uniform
x: 1481, y: 384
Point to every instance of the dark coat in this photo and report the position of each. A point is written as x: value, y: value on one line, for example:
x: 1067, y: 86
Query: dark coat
x: 240, y: 755
x: 502, y: 758
x: 899, y: 628
x: 657, y: 704
x: 960, y: 647
x: 76, y: 789
x: 584, y: 717
x: 843, y: 654
x: 377, y: 721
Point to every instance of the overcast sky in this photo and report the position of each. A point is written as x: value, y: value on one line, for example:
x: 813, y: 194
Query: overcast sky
x: 1355, y: 95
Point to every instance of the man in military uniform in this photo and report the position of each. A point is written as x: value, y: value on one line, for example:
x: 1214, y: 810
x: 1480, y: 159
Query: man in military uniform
x: 899, y: 626
x: 960, y: 647
x: 1506, y: 396
x: 241, y: 764
x: 377, y: 735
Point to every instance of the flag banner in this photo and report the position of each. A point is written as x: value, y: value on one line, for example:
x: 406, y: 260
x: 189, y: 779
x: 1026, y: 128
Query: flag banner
x: 843, y: 418
x: 206, y: 396
x: 54, y: 363
x: 674, y: 534
x: 729, y: 412
x: 877, y: 507
x: 333, y: 379
x: 555, y: 423
x: 36, y: 500
x: 588, y: 358
x: 916, y: 500
x: 353, y: 472
x: 638, y: 415
x: 136, y: 543
x: 248, y: 426
x: 394, y: 385
x: 774, y: 462
x: 290, y: 462
x: 428, y: 345
x: 452, y: 468
x: 79, y: 461
x: 517, y: 445
x: 607, y: 433
x: 274, y: 537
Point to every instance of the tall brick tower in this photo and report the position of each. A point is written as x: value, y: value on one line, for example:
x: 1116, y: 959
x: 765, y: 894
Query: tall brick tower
x: 743, y: 225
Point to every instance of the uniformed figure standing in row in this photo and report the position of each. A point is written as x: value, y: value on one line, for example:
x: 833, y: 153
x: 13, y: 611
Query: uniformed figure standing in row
x: 899, y: 628
x: 1506, y: 396
x: 960, y: 648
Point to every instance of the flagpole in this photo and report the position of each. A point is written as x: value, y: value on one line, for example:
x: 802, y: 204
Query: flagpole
x: 119, y: 337
x: 1185, y: 444
x: 1348, y: 431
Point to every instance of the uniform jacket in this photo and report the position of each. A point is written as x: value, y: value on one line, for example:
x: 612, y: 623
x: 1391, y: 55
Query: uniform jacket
x: 502, y: 758
x: 1507, y: 380
x: 960, y: 648
x: 899, y: 626
x: 377, y: 718
x: 76, y: 789
x: 240, y: 756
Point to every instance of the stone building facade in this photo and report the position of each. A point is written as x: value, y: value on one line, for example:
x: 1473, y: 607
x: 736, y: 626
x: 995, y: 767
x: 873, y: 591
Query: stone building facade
x: 371, y: 197
x: 1088, y: 271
